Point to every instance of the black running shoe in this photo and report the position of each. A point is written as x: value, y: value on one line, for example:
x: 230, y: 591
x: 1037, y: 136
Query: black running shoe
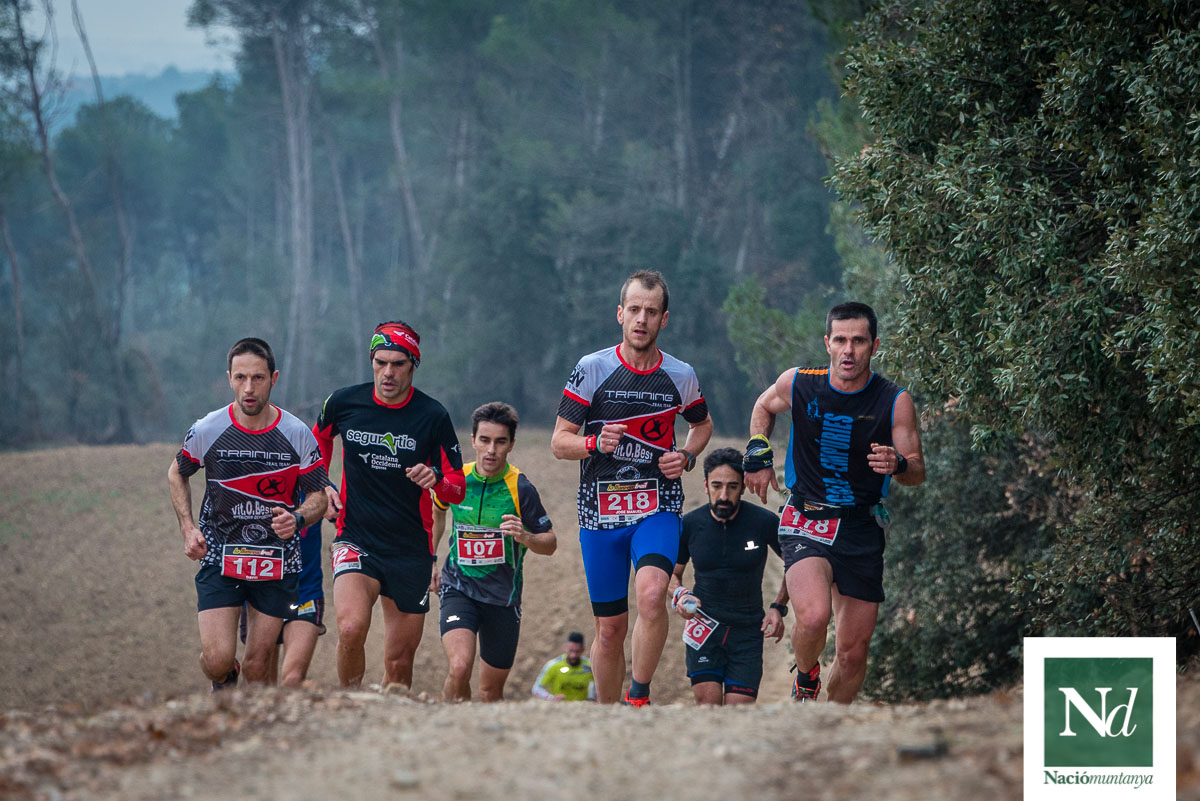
x: 230, y: 680
x: 807, y: 686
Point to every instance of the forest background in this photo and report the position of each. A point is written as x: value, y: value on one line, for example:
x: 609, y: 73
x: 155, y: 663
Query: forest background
x: 1016, y: 193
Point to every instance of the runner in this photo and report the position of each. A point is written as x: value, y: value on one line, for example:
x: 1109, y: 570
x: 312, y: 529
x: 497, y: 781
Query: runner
x: 397, y: 443
x: 728, y: 540
x: 299, y: 641
x: 617, y: 414
x: 257, y: 460
x: 852, y: 432
x: 500, y: 517
x: 567, y: 677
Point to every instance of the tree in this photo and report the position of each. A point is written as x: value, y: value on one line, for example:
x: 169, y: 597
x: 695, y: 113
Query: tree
x: 1032, y: 172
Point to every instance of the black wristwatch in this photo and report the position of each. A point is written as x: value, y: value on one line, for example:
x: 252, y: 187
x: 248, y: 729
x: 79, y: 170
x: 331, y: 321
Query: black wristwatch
x: 780, y: 608
x: 691, y: 459
x: 901, y: 464
x: 299, y: 521
x: 437, y: 472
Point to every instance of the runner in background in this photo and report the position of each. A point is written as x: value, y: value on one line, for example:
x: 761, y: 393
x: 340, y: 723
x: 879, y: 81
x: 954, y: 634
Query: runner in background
x: 567, y: 677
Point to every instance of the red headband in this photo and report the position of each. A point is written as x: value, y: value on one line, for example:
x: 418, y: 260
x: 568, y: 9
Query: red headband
x: 394, y: 336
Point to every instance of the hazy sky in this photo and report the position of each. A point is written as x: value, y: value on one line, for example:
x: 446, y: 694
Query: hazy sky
x: 138, y: 36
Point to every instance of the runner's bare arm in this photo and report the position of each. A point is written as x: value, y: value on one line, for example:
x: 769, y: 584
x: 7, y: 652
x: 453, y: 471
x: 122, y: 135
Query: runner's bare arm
x: 544, y: 543
x: 773, y: 621
x: 906, y: 441
x: 775, y: 399
x: 194, y: 546
x: 568, y: 443
x: 674, y: 584
x: 284, y: 522
x: 673, y: 463
x: 438, y: 531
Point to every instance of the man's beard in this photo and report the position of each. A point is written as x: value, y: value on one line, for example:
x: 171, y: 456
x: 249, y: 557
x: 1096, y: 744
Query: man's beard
x: 724, y: 509
x: 573, y: 660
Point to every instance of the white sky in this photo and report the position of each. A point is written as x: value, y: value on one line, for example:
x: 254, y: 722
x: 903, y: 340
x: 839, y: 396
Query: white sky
x: 137, y: 36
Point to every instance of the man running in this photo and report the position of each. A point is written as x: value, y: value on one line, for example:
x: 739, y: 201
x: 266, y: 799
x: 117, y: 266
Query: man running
x: 852, y: 432
x: 397, y: 444
x: 257, y: 460
x: 306, y: 618
x: 567, y: 677
x: 617, y: 415
x: 728, y: 541
x: 499, y: 518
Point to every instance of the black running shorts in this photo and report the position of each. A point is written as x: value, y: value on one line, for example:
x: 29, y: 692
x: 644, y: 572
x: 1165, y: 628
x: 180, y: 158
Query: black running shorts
x: 498, y: 627
x: 732, y: 655
x: 273, y: 598
x: 405, y: 580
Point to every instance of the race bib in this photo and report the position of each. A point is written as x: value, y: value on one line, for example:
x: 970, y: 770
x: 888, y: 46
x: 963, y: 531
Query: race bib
x: 252, y: 562
x: 346, y: 556
x: 697, y: 630
x: 794, y: 524
x: 478, y: 545
x: 627, y: 501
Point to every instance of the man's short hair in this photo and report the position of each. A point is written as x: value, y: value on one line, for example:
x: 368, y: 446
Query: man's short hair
x: 852, y: 310
x: 496, y: 412
x: 255, y: 346
x: 575, y: 637
x: 651, y: 279
x: 724, y: 457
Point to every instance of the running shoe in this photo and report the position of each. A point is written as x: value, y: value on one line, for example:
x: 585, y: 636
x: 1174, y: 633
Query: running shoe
x: 807, y: 686
x: 627, y: 701
x: 231, y: 678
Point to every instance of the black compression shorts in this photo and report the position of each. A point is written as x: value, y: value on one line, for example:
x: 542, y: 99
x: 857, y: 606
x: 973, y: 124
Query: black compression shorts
x: 498, y: 627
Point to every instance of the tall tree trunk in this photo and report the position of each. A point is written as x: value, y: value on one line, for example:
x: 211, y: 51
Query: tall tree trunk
x: 421, y: 249
x: 287, y: 39
x: 28, y: 412
x: 108, y: 335
x: 124, y: 432
x: 353, y: 266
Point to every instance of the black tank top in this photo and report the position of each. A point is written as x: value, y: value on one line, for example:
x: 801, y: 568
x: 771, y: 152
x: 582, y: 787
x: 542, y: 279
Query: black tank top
x: 831, y: 435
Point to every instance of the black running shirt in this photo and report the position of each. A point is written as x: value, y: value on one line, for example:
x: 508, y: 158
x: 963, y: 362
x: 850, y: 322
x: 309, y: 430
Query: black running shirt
x: 247, y: 473
x: 383, y: 511
x: 620, y: 488
x: 729, y: 557
x: 831, y: 436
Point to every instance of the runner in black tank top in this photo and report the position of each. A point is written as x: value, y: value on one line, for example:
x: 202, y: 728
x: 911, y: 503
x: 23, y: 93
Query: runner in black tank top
x: 852, y: 431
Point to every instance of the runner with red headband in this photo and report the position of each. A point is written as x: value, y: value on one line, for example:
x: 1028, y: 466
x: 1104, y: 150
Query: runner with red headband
x: 397, y: 444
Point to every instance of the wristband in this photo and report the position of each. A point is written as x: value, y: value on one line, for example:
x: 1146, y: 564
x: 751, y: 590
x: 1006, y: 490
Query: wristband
x: 780, y: 608
x: 592, y: 444
x: 758, y: 454
x: 299, y: 521
x: 901, y: 464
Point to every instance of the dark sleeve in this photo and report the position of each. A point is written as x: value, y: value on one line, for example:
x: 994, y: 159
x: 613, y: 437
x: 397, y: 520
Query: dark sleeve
x: 313, y: 477
x: 453, y: 486
x: 770, y: 531
x: 188, y: 463
x: 533, y: 514
x: 697, y: 412
x: 576, y: 397
x: 325, y: 430
x: 684, y: 536
x: 572, y: 409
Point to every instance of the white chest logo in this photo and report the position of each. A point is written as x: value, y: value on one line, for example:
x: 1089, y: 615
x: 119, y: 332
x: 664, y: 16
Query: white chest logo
x: 751, y: 545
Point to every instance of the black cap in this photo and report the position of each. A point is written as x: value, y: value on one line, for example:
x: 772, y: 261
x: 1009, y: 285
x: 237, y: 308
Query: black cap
x: 575, y: 636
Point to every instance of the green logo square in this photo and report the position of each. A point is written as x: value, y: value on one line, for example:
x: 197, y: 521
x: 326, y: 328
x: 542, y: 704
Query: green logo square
x: 1099, y: 712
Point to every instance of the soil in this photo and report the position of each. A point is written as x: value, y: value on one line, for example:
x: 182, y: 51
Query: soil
x: 102, y: 696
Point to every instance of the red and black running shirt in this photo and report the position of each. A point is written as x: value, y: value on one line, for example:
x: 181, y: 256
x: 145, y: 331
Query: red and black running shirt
x: 247, y: 473
x: 618, y: 489
x: 384, y: 512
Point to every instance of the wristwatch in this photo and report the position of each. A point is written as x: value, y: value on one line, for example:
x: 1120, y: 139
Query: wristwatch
x: 780, y: 608
x: 299, y: 520
x: 691, y: 459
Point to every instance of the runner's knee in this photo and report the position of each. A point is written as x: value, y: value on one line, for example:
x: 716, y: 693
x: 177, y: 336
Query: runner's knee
x: 352, y: 631
x: 611, y: 631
